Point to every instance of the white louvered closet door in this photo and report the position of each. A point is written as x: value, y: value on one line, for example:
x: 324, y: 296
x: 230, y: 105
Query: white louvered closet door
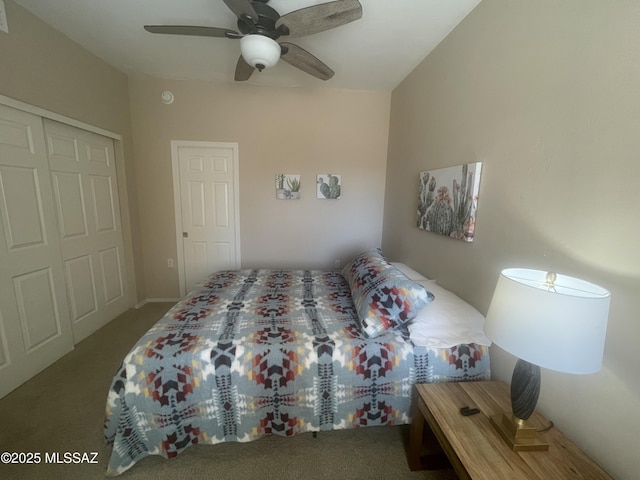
x: 35, y: 329
x: 85, y: 191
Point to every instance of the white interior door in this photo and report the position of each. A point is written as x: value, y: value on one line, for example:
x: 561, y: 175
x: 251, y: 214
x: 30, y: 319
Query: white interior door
x: 85, y: 190
x: 34, y: 319
x: 209, y: 235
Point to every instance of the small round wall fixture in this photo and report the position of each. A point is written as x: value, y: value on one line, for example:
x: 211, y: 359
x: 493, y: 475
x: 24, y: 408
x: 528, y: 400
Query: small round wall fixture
x: 167, y: 97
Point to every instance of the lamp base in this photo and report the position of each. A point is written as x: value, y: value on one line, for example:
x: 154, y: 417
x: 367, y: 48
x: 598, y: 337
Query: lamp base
x: 519, y: 435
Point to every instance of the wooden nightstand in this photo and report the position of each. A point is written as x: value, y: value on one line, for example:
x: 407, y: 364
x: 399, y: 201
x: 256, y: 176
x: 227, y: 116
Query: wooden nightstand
x: 476, y: 450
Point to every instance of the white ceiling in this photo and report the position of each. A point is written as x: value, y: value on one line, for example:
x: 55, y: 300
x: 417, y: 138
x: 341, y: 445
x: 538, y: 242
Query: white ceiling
x: 373, y: 53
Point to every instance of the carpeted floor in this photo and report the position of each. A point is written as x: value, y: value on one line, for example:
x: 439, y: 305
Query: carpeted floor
x: 62, y: 410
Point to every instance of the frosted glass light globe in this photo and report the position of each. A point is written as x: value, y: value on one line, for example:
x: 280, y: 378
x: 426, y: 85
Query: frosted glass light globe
x: 259, y: 51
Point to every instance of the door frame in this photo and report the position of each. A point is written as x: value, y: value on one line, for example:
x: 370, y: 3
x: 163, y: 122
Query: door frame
x: 177, y: 199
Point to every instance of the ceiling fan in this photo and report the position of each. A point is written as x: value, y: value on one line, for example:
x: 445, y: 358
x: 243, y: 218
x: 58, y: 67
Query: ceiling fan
x: 261, y: 26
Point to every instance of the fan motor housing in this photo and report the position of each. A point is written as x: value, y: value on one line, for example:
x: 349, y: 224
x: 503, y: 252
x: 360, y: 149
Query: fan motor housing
x: 266, y: 24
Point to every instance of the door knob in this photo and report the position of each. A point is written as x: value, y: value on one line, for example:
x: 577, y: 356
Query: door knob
x: 185, y: 234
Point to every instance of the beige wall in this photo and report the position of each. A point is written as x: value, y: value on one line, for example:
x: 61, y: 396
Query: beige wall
x: 278, y: 130
x: 546, y: 95
x: 41, y: 67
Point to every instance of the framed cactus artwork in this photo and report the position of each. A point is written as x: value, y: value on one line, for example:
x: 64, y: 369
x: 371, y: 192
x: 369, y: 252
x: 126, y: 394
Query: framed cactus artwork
x: 448, y: 200
x: 328, y: 186
x: 287, y: 187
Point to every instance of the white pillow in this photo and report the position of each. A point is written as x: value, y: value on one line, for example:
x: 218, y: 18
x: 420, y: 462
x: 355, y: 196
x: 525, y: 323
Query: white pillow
x: 409, y: 272
x: 446, y: 321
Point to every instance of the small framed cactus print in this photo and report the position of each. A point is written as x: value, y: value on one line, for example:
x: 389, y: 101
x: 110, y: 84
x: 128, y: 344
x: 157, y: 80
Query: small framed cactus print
x: 448, y: 200
x: 329, y: 186
x: 287, y: 187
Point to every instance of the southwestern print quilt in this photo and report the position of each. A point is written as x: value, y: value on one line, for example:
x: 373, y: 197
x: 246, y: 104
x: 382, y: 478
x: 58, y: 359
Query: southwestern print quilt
x: 251, y: 353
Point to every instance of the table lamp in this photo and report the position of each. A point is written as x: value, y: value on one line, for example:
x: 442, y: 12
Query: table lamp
x: 546, y: 320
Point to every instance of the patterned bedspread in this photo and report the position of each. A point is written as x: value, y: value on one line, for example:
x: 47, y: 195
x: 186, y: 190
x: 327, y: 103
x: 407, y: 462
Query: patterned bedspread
x: 256, y: 352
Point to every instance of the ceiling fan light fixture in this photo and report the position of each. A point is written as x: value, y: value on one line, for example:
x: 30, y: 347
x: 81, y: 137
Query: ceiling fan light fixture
x: 260, y: 51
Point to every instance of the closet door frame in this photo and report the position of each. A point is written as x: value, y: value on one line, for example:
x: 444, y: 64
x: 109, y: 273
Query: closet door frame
x: 120, y: 174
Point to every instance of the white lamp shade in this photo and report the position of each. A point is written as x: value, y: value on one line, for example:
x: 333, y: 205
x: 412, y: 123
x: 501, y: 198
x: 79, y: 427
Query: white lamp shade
x: 560, y: 327
x: 260, y: 51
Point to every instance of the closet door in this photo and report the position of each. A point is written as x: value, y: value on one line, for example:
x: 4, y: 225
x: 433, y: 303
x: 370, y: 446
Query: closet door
x: 85, y: 189
x: 34, y: 319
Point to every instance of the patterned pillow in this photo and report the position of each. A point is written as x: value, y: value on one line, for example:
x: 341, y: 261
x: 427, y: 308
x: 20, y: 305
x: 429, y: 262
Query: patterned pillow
x: 384, y: 297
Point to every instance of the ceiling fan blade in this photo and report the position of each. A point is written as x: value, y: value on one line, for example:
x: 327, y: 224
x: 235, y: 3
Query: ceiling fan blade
x: 243, y: 70
x: 196, y: 31
x: 319, y: 18
x: 243, y: 10
x: 300, y: 58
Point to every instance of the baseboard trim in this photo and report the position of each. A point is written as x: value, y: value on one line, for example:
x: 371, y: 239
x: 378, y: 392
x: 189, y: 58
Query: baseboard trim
x: 156, y: 300
x: 141, y: 304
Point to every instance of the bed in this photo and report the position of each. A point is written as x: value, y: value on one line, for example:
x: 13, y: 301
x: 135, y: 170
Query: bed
x: 250, y: 353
